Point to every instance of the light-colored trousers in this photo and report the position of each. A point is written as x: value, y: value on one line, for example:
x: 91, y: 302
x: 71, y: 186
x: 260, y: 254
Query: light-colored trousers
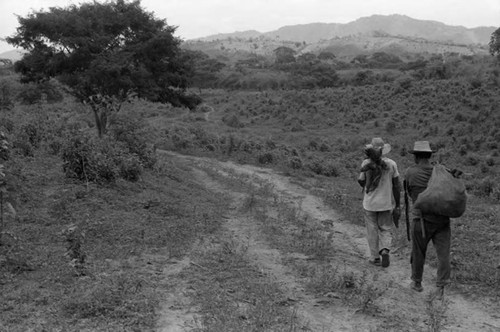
x: 378, y: 231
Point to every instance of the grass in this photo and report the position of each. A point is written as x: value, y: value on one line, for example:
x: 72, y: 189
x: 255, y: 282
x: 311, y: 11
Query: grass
x: 233, y: 294
x: 116, y: 229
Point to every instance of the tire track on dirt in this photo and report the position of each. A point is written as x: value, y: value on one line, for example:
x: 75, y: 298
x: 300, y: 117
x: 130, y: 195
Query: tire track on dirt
x: 269, y: 260
x: 397, y: 300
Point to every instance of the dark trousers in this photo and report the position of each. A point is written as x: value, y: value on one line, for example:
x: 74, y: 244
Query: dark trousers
x: 440, y: 234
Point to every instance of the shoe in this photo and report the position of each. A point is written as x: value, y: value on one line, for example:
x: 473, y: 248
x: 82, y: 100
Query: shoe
x: 374, y: 261
x: 385, y: 258
x: 416, y: 286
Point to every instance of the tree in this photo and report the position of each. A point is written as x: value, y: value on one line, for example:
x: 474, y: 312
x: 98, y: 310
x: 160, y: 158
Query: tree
x: 325, y: 55
x: 284, y: 55
x: 307, y: 57
x: 495, y: 43
x: 104, y: 52
x: 204, y: 68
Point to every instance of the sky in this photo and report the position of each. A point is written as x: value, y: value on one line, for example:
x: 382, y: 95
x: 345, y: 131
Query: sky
x: 200, y: 18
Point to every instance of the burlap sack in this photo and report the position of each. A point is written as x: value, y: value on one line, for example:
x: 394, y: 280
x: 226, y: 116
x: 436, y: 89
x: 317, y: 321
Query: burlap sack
x: 445, y: 195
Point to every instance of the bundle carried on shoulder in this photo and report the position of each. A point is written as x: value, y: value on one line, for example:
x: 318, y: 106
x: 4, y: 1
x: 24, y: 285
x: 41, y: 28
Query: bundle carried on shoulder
x: 445, y: 195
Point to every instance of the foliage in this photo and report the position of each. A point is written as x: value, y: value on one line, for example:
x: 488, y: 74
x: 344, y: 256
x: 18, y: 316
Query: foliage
x: 132, y: 130
x: 103, y: 51
x: 6, y: 98
x: 100, y: 161
x: 32, y: 93
x: 495, y: 43
x: 203, y: 67
x: 284, y: 55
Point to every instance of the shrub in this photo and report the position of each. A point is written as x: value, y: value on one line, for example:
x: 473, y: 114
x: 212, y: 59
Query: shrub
x: 472, y: 160
x: 404, y: 83
x: 265, y: 158
x: 323, y: 167
x: 130, y: 168
x: 32, y: 132
x: 6, y: 101
x: 99, y: 160
x: 295, y: 162
x: 23, y: 147
x: 390, y: 127
x: 6, y: 124
x: 131, y: 130
x: 483, y: 187
x: 232, y: 121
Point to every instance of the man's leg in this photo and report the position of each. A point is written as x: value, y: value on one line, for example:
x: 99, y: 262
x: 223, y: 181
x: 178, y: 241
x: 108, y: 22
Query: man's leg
x: 385, y: 227
x: 442, y: 244
x: 385, y: 236
x: 418, y: 250
x: 372, y: 233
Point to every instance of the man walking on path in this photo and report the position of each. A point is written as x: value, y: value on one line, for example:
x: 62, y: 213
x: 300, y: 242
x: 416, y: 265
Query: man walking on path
x: 379, y: 178
x: 426, y: 227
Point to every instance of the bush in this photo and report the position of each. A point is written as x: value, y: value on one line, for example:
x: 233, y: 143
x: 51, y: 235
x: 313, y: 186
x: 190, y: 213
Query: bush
x: 131, y: 130
x: 483, y: 187
x: 23, y: 147
x: 232, y: 121
x: 91, y: 159
x: 32, y: 132
x: 322, y: 167
x: 6, y: 101
x: 130, y: 168
x: 6, y: 124
x: 295, y: 163
x: 265, y: 158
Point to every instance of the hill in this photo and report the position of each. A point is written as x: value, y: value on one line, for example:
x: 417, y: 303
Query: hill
x: 397, y: 34
x: 13, y: 55
x: 395, y: 25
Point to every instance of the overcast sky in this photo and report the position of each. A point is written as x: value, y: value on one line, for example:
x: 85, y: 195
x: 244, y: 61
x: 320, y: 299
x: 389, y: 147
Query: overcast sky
x: 199, y: 18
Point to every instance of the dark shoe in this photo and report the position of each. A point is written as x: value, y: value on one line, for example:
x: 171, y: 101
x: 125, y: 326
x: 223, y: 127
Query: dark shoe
x: 416, y: 286
x: 375, y: 261
x: 385, y: 258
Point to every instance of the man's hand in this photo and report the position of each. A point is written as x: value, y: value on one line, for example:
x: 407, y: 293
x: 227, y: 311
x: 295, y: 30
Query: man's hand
x: 396, y: 214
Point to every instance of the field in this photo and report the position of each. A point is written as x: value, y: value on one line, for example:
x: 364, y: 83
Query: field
x: 243, y: 214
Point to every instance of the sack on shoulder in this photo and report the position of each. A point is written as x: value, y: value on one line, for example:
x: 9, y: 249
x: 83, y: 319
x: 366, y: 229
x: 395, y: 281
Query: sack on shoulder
x: 445, y: 195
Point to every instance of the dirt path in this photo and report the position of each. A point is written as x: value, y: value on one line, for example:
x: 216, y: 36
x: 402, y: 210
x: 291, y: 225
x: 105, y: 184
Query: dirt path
x: 395, y: 297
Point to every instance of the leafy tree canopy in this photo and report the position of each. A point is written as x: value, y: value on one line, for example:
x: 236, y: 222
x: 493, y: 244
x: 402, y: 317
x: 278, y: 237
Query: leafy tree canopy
x: 495, y: 43
x: 284, y: 54
x: 106, y: 49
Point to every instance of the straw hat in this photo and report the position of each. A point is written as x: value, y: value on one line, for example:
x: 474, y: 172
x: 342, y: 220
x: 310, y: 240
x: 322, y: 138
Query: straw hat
x: 378, y: 143
x: 421, y: 146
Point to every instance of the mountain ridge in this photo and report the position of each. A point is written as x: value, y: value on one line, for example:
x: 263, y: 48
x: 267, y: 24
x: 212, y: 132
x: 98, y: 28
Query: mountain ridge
x: 395, y: 24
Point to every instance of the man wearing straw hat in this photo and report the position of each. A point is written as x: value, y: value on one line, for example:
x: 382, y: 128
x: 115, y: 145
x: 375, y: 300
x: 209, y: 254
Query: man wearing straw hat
x: 379, y: 178
x: 426, y: 227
